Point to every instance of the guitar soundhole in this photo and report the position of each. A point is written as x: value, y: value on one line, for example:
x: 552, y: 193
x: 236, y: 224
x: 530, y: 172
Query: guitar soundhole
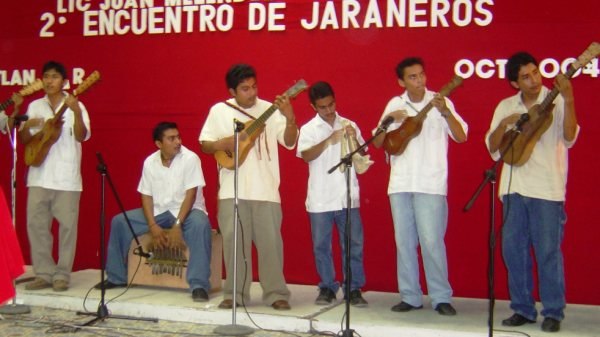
x: 229, y: 154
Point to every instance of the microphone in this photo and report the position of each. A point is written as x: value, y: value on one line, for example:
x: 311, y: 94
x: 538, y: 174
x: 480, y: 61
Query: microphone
x: 385, y: 124
x: 239, y: 126
x: 140, y: 252
x: 20, y: 118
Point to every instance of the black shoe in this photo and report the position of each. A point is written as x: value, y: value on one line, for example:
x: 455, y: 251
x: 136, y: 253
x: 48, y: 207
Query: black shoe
x: 326, y: 296
x: 516, y: 320
x: 550, y: 325
x: 109, y: 285
x: 199, y: 295
x: 445, y: 309
x: 404, y: 307
x: 357, y: 300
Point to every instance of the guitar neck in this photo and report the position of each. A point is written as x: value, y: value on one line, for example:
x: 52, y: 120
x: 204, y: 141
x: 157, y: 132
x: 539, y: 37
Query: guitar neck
x: 6, y: 104
x: 260, y: 121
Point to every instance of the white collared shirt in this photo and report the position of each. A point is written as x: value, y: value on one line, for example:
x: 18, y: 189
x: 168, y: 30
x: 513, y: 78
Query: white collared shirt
x: 168, y: 185
x: 259, y: 174
x: 327, y: 192
x: 423, y: 166
x: 544, y: 175
x: 61, y: 170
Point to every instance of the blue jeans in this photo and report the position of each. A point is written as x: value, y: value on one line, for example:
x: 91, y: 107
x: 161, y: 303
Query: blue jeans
x: 196, y: 232
x: 537, y: 223
x: 421, y: 219
x: 322, y: 227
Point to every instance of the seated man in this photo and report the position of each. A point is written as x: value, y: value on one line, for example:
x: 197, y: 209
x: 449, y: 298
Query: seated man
x: 171, y: 189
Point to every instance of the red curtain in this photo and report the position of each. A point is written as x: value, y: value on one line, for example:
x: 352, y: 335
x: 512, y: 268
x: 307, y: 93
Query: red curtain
x: 11, y: 259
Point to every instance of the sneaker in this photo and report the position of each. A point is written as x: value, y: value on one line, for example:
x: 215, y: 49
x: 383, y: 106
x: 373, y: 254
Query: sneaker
x: 326, y: 296
x: 357, y: 300
x: 445, y: 309
x: 550, y: 325
x: 37, y: 284
x: 199, y: 295
x: 60, y: 285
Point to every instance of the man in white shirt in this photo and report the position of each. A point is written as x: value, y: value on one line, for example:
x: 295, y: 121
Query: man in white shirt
x: 172, y: 198
x: 260, y: 213
x: 418, y: 187
x: 7, y: 122
x: 533, y: 194
x: 320, y: 145
x: 54, y: 187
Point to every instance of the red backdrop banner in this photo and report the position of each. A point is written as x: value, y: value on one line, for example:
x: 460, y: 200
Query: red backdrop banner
x: 166, y: 60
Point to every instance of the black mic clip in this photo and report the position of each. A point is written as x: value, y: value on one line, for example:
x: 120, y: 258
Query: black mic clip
x: 522, y: 120
x: 140, y: 252
x: 239, y: 126
x: 385, y: 124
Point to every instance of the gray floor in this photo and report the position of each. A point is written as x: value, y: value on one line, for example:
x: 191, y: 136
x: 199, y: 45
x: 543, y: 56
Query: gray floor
x: 179, y: 316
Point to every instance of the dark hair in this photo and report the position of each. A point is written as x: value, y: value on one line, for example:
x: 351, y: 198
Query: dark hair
x: 320, y: 90
x: 53, y: 65
x: 238, y: 73
x: 515, y: 63
x: 407, y: 62
x: 160, y: 128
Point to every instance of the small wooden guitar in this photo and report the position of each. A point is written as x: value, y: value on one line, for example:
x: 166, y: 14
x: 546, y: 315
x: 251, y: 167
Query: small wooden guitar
x: 253, y: 129
x: 26, y: 91
x: 38, y: 147
x: 396, y: 141
x: 540, y: 118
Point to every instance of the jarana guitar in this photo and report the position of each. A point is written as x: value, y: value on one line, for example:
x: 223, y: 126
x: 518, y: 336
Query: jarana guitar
x: 38, y: 147
x: 397, y: 140
x: 540, y: 118
x: 253, y: 129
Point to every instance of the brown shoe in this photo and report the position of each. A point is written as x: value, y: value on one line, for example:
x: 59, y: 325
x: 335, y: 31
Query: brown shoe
x: 227, y: 304
x: 60, y: 285
x: 281, y: 305
x: 38, y: 284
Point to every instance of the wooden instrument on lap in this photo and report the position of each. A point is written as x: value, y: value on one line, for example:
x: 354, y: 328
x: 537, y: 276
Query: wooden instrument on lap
x: 26, y: 91
x: 167, y: 260
x: 253, y: 129
x: 540, y: 118
x: 396, y: 141
x: 38, y: 147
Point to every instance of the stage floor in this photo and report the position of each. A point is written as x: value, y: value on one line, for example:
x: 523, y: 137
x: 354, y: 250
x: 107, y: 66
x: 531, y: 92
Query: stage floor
x: 374, y: 321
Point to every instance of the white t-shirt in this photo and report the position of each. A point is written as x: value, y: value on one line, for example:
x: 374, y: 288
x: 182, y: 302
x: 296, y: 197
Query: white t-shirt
x: 327, y: 192
x: 258, y: 177
x: 168, y: 185
x: 423, y: 166
x: 61, y: 170
x: 544, y: 175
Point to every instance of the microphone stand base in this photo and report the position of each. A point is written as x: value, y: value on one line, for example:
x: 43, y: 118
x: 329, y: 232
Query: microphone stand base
x: 15, y: 309
x: 233, y: 330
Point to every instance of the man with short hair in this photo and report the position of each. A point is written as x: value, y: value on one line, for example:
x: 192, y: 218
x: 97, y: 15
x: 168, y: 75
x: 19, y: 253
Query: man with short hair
x: 172, y: 208
x: 320, y: 145
x: 418, y: 187
x: 54, y: 187
x: 259, y: 203
x: 533, y: 194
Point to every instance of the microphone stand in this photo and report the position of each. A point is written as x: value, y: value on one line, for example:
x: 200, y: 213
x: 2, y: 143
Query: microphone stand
x: 235, y: 329
x: 103, y: 312
x: 13, y: 308
x: 490, y: 177
x: 347, y: 162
